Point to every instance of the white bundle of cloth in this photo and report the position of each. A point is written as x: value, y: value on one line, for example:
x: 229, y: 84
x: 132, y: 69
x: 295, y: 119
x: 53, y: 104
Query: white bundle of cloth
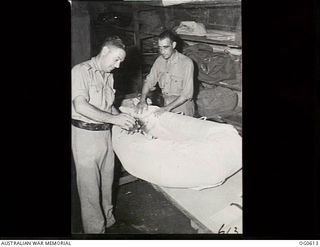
x: 191, y: 28
x: 184, y: 152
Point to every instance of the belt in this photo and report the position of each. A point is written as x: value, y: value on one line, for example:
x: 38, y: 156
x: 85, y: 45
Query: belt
x: 90, y: 126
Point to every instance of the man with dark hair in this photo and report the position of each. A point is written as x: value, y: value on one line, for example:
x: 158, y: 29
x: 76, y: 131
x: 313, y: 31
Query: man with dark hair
x: 174, y: 73
x: 93, y: 114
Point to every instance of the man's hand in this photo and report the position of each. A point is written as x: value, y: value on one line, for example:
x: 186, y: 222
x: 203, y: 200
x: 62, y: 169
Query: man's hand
x: 123, y: 120
x: 141, y: 107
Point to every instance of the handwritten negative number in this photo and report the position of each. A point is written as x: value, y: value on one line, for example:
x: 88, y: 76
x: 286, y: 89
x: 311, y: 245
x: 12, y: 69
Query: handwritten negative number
x: 235, y: 230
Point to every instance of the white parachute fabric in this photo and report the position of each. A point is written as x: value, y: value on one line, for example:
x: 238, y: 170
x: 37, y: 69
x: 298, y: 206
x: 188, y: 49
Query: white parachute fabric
x: 186, y: 153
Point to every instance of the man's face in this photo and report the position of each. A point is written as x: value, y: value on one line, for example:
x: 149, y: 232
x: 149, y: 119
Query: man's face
x: 166, y: 47
x: 111, y: 57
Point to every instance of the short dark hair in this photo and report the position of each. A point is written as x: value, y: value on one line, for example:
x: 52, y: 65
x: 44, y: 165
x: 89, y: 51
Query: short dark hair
x: 113, y: 40
x: 168, y: 34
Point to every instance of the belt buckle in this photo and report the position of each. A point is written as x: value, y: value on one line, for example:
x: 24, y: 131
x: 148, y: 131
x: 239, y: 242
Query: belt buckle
x: 95, y: 127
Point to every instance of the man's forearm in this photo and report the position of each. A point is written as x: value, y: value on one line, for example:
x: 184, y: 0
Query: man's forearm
x: 92, y: 112
x: 177, y: 102
x: 145, y: 91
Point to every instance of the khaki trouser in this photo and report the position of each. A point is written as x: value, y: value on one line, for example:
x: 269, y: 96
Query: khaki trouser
x: 94, y: 162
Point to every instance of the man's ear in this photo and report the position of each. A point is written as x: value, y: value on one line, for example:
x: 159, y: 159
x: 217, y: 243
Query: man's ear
x: 105, y: 50
x: 174, y: 44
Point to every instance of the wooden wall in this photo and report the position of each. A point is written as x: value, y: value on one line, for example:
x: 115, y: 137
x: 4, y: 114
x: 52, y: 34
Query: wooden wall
x: 80, y: 33
x: 90, y: 28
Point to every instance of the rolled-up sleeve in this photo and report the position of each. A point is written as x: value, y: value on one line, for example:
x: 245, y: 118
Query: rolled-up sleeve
x: 79, y: 83
x: 187, y: 91
x: 152, y: 78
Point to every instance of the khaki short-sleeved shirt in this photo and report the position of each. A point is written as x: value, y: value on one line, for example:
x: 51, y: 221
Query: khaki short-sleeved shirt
x: 95, y: 85
x: 175, y: 76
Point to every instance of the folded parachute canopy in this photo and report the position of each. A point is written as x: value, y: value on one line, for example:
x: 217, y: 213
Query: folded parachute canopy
x: 184, y: 152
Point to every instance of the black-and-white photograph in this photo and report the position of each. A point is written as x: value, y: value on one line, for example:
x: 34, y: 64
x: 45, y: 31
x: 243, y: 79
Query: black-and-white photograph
x: 156, y: 91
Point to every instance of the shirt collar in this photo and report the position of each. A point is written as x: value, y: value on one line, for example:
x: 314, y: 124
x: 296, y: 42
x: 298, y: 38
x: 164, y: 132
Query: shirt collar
x: 96, y: 68
x: 174, y: 57
x: 95, y: 65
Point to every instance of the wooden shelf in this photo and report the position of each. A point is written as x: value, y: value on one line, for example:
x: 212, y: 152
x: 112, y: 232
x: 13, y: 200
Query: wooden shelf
x: 144, y: 35
x: 208, y: 3
x: 106, y: 25
x: 211, y: 3
x: 150, y: 53
x: 203, y: 39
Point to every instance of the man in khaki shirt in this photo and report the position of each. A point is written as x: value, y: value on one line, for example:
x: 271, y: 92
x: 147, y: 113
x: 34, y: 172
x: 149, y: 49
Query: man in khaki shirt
x: 93, y: 114
x: 174, y: 73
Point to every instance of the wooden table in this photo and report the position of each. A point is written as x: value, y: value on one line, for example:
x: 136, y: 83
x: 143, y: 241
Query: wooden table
x: 215, y: 210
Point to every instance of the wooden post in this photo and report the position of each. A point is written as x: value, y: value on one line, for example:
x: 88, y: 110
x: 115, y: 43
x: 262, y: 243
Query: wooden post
x: 137, y: 43
x: 80, y: 31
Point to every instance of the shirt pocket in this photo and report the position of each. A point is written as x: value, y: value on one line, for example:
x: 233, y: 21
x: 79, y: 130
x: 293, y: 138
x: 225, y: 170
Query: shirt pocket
x: 162, y: 79
x: 95, y: 93
x: 165, y: 83
x: 176, y: 84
